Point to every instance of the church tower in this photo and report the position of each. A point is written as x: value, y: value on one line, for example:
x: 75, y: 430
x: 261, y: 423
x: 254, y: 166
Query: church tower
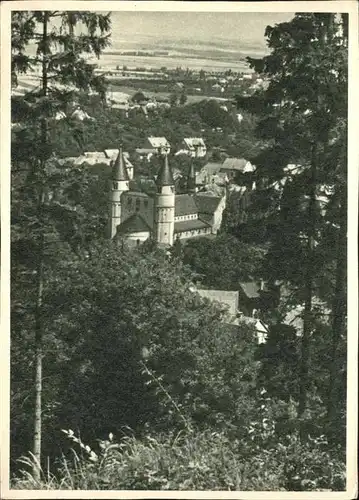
x: 165, y: 205
x: 119, y: 184
x: 191, y: 180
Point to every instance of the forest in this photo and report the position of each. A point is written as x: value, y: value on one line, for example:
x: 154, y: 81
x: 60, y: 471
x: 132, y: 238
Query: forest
x: 122, y: 376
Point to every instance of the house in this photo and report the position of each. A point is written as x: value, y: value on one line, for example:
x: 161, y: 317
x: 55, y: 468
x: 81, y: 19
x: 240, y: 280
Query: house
x: 294, y: 316
x: 233, y: 317
x: 60, y: 115
x: 220, y: 179
x: 232, y: 166
x: 260, y: 327
x: 226, y: 298
x: 158, y: 143
x: 204, y: 176
x: 153, y: 145
x: 210, y: 208
x: 195, y: 147
x: 187, y: 222
x: 108, y: 156
x: 145, y: 153
x: 250, y: 297
x: 80, y: 115
x: 151, y: 105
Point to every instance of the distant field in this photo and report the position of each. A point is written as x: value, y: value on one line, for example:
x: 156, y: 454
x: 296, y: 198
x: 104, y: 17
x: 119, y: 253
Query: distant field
x: 190, y: 98
x: 107, y: 61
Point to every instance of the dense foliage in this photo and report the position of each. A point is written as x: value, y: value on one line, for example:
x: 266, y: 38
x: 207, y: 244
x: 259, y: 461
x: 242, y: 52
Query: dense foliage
x: 300, y: 205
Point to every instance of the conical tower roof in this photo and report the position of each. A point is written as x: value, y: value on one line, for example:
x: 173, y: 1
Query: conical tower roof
x: 191, y: 179
x: 119, y: 171
x: 165, y: 176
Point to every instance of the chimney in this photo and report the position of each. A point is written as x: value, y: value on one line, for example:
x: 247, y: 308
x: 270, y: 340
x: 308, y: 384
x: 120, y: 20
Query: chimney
x: 261, y: 284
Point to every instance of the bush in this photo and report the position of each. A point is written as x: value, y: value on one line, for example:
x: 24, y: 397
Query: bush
x: 193, y: 461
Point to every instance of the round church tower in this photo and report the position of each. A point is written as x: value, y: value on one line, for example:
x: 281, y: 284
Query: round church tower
x: 119, y: 184
x: 165, y: 205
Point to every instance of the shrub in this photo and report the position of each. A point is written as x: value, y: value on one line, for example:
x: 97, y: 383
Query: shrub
x: 193, y: 461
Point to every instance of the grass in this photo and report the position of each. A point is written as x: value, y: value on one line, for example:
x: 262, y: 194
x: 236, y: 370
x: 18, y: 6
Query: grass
x: 189, y: 461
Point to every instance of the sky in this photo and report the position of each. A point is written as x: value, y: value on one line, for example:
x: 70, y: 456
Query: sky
x: 246, y: 28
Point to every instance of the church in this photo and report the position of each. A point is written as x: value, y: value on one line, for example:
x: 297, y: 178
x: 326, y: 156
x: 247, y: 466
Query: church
x: 163, y: 216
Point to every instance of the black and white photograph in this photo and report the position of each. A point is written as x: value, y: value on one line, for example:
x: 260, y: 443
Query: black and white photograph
x: 179, y: 208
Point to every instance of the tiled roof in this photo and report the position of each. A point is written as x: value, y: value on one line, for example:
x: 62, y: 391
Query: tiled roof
x: 207, y: 217
x: 142, y: 151
x: 158, y: 142
x: 91, y: 159
x: 212, y: 167
x: 138, y: 194
x: 220, y: 179
x: 238, y: 164
x: 134, y: 224
x: 207, y: 203
x: 112, y: 155
x: 194, y: 141
x: 257, y: 323
x: 69, y: 159
x: 185, y: 205
x: 215, y: 189
x: 251, y: 289
x: 106, y: 156
x: 188, y: 225
x: 230, y: 299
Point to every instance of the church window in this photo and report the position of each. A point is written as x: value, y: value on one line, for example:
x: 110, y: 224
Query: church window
x: 145, y: 203
x: 129, y: 202
x: 138, y: 203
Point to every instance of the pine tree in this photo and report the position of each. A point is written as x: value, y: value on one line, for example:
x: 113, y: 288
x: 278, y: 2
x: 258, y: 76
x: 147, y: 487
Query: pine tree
x: 61, y: 41
x: 299, y: 112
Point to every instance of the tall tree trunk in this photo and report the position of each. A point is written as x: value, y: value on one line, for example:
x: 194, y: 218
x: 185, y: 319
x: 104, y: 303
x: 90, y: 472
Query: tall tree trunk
x: 38, y: 363
x: 40, y: 279
x: 309, y: 272
x: 339, y: 310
